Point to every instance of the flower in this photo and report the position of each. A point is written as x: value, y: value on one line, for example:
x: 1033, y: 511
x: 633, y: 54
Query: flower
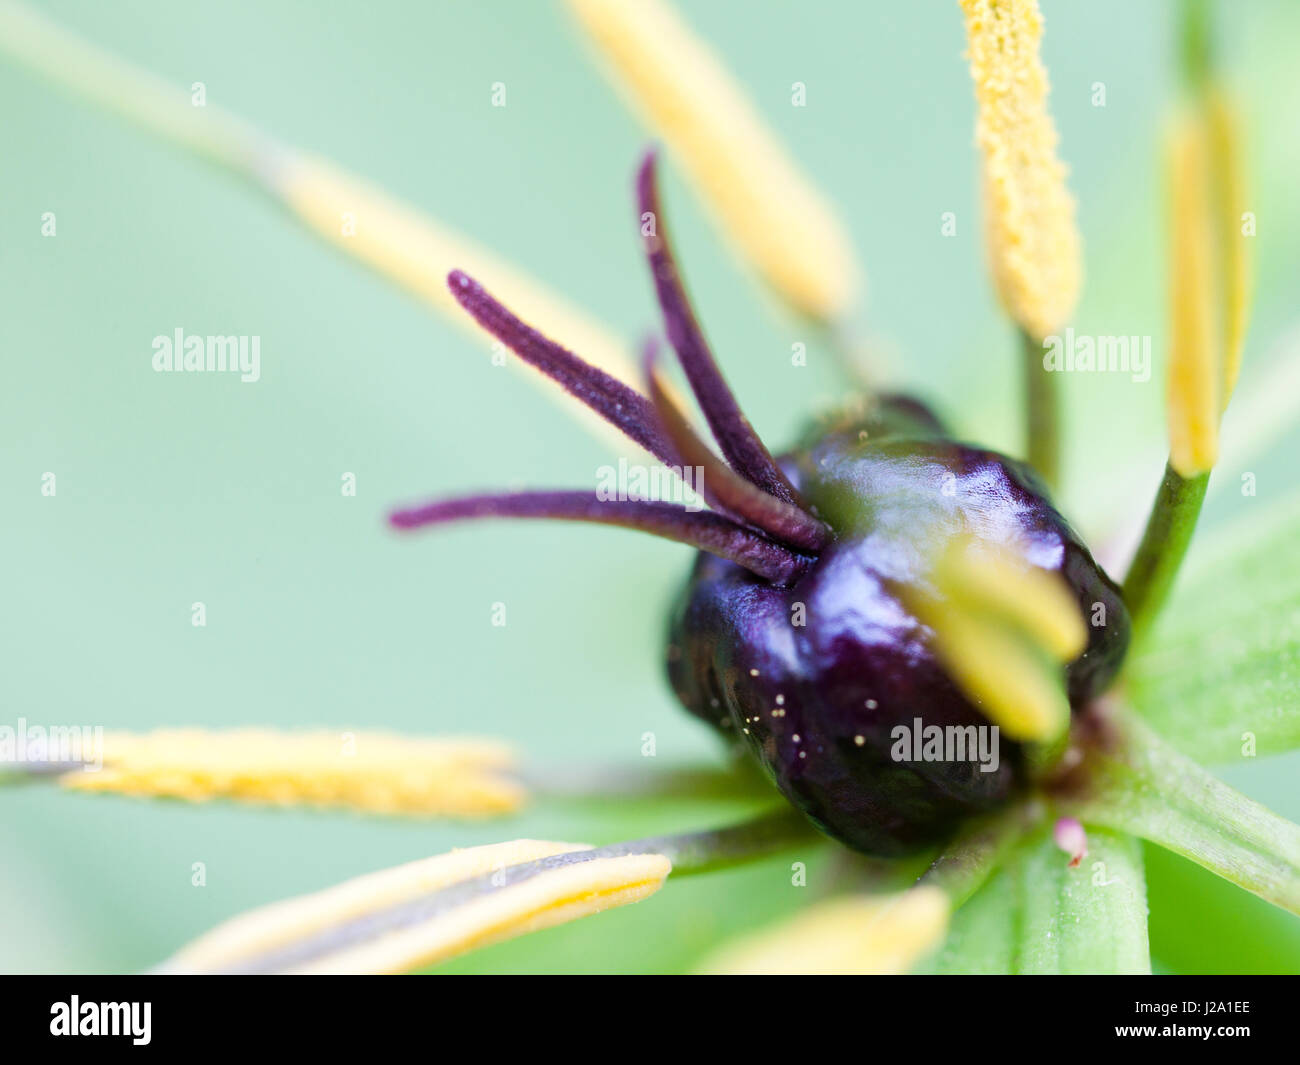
x: 1107, y: 782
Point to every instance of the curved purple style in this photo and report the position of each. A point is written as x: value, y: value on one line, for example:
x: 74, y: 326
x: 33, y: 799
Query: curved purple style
x: 725, y: 489
x: 708, y: 532
x: 735, y: 436
x: 756, y: 522
x: 621, y: 406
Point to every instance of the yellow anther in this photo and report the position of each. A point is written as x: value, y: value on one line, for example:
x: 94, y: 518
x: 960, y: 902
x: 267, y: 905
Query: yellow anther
x: 395, y: 920
x: 1034, y: 245
x: 769, y: 210
x: 851, y: 936
x: 1195, y: 346
x: 368, y: 771
x: 1003, y: 629
x: 994, y: 581
x: 1228, y: 192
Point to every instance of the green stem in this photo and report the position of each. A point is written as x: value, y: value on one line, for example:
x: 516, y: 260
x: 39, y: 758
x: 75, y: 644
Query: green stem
x: 1196, y: 52
x: 1042, y: 412
x: 738, y: 782
x: 965, y: 864
x: 110, y: 83
x: 1144, y: 787
x: 1164, y: 543
x: 707, y: 852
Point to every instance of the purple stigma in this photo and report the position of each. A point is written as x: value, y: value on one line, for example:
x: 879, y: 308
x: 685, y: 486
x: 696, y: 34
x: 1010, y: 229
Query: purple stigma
x: 699, y: 529
x: 621, y: 406
x: 722, y: 486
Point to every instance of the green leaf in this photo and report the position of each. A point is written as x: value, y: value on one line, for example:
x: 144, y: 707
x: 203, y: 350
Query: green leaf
x: 1220, y: 676
x: 1203, y: 924
x: 1091, y: 919
x: 982, y: 937
x: 1037, y: 915
x: 1137, y: 783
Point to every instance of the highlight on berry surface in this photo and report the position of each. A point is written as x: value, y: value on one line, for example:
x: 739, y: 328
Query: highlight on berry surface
x: 372, y: 772
x: 1033, y: 242
x: 856, y: 935
x: 426, y: 911
x: 771, y: 212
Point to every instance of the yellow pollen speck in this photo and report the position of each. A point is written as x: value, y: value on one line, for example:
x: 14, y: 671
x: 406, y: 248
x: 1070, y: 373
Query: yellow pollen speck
x: 859, y: 740
x: 1033, y: 243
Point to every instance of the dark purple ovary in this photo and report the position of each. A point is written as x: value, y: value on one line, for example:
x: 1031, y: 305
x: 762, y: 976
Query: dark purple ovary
x: 816, y: 676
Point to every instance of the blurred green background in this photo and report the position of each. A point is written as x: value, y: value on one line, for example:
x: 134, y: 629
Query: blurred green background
x: 181, y: 488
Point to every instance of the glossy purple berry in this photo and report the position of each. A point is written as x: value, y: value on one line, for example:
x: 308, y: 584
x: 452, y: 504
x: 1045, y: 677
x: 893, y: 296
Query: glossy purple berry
x: 792, y: 635
x: 815, y: 676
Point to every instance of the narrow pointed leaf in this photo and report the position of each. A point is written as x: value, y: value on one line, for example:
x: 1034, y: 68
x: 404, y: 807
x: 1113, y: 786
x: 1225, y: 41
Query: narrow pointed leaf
x: 1219, y: 678
x: 1234, y: 933
x: 982, y: 934
x: 1038, y: 915
x: 1139, y: 784
x: 1087, y: 919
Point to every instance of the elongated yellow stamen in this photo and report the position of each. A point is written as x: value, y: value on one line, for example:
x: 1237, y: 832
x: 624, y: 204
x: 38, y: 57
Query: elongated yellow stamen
x: 1008, y: 678
x: 1228, y: 192
x: 996, y: 582
x: 368, y: 771
x: 769, y: 210
x: 394, y: 239
x: 1195, y: 363
x: 1003, y: 629
x: 426, y: 911
x: 1033, y: 242
x: 850, y: 936
x: 417, y: 252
